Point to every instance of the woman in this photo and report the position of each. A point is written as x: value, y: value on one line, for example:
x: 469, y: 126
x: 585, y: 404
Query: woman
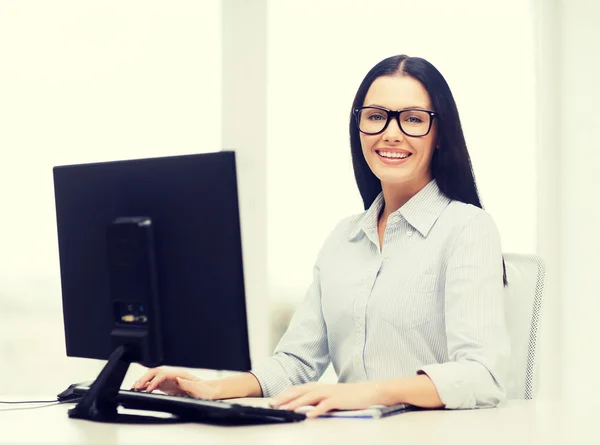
x: 407, y: 297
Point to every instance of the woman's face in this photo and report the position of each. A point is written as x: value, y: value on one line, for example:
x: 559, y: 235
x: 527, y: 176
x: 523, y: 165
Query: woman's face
x: 382, y: 151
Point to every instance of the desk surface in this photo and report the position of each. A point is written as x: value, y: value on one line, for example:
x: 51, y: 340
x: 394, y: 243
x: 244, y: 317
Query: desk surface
x: 516, y: 422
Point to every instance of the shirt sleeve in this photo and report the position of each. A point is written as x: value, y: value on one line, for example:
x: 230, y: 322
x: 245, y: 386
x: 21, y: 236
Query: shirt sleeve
x: 478, y: 345
x: 302, y: 353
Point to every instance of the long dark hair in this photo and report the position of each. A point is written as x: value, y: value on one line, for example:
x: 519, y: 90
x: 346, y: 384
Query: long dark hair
x: 451, y: 164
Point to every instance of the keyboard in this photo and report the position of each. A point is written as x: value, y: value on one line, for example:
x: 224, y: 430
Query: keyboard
x: 198, y: 410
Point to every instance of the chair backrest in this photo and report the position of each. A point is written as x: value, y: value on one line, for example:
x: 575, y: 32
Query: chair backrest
x: 524, y: 295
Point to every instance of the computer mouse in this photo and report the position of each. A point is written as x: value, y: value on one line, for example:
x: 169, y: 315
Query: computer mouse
x: 69, y: 393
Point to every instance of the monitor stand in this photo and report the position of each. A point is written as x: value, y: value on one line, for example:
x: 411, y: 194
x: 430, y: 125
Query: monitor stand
x: 100, y: 403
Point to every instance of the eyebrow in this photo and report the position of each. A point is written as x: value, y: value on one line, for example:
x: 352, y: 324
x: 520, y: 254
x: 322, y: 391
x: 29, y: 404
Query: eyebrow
x: 405, y: 108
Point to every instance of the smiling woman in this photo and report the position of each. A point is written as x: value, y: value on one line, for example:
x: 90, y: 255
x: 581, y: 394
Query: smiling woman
x: 406, y: 299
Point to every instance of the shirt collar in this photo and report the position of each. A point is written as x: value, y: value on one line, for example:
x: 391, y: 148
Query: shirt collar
x: 421, y: 211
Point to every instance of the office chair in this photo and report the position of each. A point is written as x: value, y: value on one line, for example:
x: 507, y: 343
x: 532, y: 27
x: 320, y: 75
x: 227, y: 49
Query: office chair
x: 526, y: 276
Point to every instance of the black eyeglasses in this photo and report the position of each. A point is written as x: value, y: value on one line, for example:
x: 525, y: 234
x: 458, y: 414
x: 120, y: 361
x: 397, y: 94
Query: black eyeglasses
x: 413, y: 122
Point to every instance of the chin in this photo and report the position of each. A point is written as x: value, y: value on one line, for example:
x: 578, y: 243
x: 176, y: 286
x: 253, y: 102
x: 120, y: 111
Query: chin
x: 394, y: 178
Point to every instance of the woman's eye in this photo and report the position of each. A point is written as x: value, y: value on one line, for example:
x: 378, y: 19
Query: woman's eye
x: 413, y: 120
x: 377, y: 117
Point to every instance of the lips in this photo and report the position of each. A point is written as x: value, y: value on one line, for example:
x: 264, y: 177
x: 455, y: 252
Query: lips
x: 393, y: 154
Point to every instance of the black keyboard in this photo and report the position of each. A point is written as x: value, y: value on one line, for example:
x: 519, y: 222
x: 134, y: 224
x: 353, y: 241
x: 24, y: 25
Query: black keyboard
x: 198, y: 410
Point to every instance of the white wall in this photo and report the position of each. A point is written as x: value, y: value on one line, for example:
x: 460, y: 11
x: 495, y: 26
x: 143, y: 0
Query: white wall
x: 86, y: 81
x: 318, y: 54
x: 567, y: 71
x: 579, y: 164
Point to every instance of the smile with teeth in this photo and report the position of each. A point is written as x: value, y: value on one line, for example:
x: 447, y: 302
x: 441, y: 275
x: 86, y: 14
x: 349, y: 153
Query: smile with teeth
x: 393, y: 155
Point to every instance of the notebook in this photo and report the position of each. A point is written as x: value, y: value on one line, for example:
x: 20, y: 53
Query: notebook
x: 373, y: 412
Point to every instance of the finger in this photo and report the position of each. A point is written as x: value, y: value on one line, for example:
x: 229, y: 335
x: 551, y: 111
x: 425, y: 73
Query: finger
x: 311, y: 399
x: 149, y: 375
x: 153, y: 384
x: 322, y: 408
x: 137, y: 387
x: 290, y: 394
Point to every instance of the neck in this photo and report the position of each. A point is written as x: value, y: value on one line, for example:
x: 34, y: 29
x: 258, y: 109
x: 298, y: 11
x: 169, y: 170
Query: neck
x: 395, y: 195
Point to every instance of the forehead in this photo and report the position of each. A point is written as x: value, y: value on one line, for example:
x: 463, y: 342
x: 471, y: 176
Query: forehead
x: 397, y: 92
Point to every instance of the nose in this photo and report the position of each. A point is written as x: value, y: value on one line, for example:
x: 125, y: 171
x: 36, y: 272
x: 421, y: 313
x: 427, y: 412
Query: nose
x: 393, y: 133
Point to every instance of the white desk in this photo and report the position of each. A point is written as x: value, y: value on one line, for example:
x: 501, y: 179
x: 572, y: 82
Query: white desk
x: 517, y: 422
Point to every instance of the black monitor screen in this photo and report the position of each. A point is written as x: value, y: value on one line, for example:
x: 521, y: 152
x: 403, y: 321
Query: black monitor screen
x: 192, y: 202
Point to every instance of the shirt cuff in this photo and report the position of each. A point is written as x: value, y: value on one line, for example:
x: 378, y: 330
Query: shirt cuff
x: 271, y: 377
x: 463, y: 385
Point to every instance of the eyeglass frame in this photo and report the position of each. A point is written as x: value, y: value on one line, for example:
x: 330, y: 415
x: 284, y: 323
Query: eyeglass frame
x: 390, y: 115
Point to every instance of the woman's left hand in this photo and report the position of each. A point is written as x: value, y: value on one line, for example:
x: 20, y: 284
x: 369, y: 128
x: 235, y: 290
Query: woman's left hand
x: 326, y: 397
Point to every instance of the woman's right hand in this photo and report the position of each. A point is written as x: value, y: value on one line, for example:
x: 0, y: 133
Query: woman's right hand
x: 175, y: 381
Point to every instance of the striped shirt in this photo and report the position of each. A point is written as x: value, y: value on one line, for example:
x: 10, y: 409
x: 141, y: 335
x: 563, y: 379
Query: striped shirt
x: 430, y: 301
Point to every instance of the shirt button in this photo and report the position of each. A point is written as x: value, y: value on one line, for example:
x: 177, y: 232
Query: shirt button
x: 357, y: 361
x: 396, y: 219
x: 385, y: 256
x: 409, y: 233
x: 360, y: 324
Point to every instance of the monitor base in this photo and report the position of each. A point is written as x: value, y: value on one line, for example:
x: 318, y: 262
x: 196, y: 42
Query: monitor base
x: 100, y: 403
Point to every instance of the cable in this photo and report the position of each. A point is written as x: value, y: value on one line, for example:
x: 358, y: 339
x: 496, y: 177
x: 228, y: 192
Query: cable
x: 19, y: 408
x: 31, y: 401
x: 42, y: 404
x: 43, y: 401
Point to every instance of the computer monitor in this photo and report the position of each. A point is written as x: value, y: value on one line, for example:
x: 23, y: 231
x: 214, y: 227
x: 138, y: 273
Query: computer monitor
x: 151, y: 267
